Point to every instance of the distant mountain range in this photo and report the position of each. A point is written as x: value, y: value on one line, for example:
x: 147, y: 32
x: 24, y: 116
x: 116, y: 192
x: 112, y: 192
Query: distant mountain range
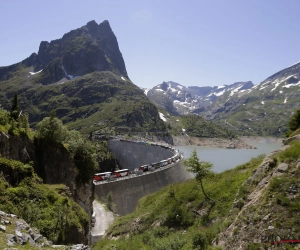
x: 180, y: 100
x: 263, y: 109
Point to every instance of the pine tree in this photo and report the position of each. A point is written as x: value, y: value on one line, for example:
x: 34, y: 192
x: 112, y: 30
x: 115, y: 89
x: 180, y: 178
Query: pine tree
x: 202, y: 169
x: 294, y: 122
x: 15, y: 108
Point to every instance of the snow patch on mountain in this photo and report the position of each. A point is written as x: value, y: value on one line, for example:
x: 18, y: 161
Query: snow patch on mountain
x: 235, y: 90
x: 146, y: 91
x: 161, y: 115
x: 291, y: 85
x: 276, y: 85
x: 33, y: 73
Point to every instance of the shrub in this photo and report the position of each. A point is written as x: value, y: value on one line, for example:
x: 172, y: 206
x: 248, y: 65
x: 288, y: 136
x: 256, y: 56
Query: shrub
x: 199, y: 241
x: 290, y: 154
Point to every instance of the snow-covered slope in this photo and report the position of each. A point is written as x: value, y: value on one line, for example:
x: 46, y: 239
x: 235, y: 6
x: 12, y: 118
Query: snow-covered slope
x: 184, y: 100
x: 263, y: 109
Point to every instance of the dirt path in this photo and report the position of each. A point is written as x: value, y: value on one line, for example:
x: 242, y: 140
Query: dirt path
x: 103, y: 220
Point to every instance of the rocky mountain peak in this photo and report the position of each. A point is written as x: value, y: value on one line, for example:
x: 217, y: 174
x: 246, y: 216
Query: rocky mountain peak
x: 92, y: 26
x: 84, y: 50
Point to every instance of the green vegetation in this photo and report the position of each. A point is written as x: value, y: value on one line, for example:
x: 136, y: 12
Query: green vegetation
x: 291, y: 154
x: 99, y: 101
x: 201, y: 169
x: 22, y: 193
x: 294, y: 124
x: 199, y: 127
x: 51, y: 131
x: 195, y: 125
x: 176, y: 216
x: 15, y: 122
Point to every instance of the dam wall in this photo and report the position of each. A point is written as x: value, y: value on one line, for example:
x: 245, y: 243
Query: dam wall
x: 132, y: 155
x: 127, y: 192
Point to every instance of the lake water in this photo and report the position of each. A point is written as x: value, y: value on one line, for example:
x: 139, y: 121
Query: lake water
x: 224, y: 159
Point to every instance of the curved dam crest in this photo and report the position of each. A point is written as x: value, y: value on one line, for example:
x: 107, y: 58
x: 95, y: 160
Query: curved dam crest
x: 131, y: 155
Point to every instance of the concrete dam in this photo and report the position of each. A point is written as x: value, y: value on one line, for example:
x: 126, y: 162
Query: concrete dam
x: 131, y: 155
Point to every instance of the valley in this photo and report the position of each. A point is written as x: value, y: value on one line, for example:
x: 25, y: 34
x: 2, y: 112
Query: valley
x: 71, y: 110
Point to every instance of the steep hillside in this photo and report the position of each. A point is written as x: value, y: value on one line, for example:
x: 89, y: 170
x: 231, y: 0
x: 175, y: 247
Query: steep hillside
x: 261, y: 110
x: 83, y: 77
x: 269, y: 204
x: 47, y: 181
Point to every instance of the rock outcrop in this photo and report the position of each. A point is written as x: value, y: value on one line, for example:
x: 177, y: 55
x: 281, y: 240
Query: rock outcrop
x: 18, y: 232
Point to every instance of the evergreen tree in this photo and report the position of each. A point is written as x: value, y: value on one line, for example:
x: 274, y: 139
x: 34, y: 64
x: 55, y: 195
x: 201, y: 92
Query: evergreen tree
x: 15, y: 108
x: 202, y: 169
x: 294, y: 122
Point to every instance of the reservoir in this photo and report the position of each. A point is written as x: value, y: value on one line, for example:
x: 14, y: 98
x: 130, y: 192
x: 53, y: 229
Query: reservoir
x: 224, y: 159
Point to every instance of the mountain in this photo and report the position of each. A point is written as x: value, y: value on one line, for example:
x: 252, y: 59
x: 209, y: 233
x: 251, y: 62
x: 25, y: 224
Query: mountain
x: 261, y: 110
x: 178, y: 99
x: 83, y: 77
x: 241, y: 107
x: 90, y: 48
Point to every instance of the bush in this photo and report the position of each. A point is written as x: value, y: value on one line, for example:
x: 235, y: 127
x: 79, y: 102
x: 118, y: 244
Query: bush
x: 199, y: 241
x: 51, y: 130
x: 290, y: 154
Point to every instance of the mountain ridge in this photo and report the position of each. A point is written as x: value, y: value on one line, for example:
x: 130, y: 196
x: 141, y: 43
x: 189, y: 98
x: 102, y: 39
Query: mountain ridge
x: 90, y: 48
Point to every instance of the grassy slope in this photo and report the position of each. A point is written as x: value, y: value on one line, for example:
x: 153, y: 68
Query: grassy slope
x: 172, y: 217
x: 96, y: 101
x: 274, y: 214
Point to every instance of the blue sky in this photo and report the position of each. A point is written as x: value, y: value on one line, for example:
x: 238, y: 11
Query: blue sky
x: 192, y: 42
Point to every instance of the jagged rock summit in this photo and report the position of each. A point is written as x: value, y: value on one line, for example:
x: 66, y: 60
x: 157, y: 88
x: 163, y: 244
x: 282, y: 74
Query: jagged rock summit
x: 84, y: 50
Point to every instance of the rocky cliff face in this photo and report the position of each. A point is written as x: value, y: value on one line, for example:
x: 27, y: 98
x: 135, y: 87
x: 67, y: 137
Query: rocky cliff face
x: 55, y: 166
